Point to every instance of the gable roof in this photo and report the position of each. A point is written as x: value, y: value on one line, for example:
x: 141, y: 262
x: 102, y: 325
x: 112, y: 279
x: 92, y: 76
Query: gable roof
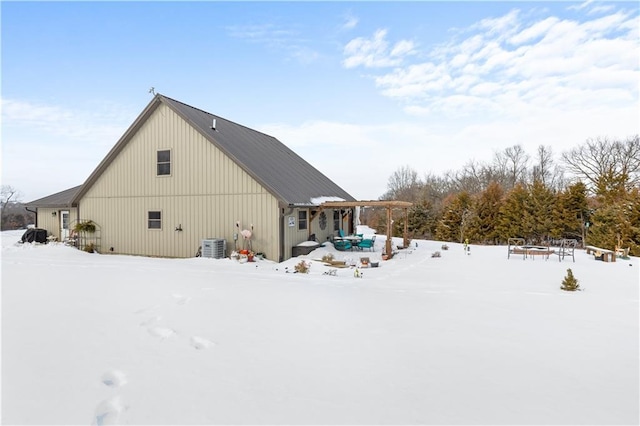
x: 59, y: 199
x: 286, y: 175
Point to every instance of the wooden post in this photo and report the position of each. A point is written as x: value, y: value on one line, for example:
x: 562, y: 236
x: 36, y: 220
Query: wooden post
x: 389, y: 234
x: 406, y: 228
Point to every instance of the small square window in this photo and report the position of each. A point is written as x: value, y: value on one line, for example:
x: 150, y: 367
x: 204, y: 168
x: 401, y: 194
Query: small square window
x: 164, y: 162
x: 154, y: 220
x: 302, y: 219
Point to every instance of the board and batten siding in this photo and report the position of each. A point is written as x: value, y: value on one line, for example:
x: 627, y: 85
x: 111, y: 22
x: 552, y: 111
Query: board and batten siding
x: 294, y: 236
x: 51, y: 223
x: 204, y: 196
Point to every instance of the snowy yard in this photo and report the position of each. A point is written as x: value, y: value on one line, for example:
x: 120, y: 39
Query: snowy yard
x: 478, y: 339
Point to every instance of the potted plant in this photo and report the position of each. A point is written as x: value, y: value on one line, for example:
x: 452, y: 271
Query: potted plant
x: 85, y: 226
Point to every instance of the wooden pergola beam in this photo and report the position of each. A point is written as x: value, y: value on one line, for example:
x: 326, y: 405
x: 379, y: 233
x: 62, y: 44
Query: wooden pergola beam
x: 388, y: 204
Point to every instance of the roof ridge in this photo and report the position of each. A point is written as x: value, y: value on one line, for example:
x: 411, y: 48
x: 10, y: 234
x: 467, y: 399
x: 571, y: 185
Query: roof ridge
x: 215, y: 115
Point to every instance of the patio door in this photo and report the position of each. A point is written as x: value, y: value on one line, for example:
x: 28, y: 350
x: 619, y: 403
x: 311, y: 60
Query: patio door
x: 64, y: 225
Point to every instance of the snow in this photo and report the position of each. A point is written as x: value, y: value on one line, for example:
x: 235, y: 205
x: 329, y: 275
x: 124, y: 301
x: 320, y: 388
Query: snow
x: 460, y: 339
x: 323, y: 199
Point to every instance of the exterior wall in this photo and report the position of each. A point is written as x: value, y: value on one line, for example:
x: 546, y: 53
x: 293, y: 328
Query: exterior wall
x: 205, y: 195
x: 51, y: 223
x: 294, y: 236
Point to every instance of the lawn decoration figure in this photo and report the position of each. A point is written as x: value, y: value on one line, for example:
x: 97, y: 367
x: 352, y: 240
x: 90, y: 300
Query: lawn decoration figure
x: 246, y: 236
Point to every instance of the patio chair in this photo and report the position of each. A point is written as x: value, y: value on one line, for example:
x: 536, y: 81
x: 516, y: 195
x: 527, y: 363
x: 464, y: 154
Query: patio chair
x: 341, y: 233
x: 342, y: 245
x: 367, y: 244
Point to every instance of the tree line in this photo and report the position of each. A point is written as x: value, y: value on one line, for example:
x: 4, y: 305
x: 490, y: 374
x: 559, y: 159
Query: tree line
x: 592, y: 194
x: 13, y: 214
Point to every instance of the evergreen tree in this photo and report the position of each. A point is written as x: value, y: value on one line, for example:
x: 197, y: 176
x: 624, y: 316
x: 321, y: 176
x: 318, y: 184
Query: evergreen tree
x: 617, y: 222
x: 572, y: 212
x: 541, y: 207
x: 488, y: 205
x: 570, y: 283
x: 421, y: 223
x: 514, y: 218
x: 458, y: 213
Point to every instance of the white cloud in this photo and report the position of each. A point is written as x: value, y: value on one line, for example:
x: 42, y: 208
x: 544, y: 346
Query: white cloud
x: 515, y: 65
x: 67, y: 143
x: 375, y: 52
x: 350, y: 23
x: 286, y: 40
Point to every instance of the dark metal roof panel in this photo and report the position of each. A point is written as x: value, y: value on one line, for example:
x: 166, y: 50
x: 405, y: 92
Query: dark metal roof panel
x: 279, y: 169
x: 59, y: 199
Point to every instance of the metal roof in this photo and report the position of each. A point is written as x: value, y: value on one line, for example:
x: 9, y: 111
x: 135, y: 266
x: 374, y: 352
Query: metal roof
x: 286, y: 175
x: 59, y: 199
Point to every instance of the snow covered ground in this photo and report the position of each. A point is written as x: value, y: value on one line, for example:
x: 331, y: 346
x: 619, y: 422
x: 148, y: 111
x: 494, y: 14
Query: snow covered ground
x: 477, y: 339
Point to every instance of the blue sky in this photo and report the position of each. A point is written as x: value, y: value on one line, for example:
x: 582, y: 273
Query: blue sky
x: 358, y: 89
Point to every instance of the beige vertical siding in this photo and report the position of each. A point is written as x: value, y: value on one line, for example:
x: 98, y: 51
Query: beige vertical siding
x: 294, y: 236
x: 205, y: 195
x: 51, y: 223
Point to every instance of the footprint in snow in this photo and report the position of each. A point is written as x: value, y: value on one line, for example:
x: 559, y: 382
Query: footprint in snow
x: 161, y: 332
x: 110, y: 412
x: 114, y: 378
x: 201, y: 342
x: 180, y: 299
x: 150, y: 321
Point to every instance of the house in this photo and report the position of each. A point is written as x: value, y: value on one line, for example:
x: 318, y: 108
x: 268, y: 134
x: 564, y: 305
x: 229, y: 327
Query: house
x: 180, y: 175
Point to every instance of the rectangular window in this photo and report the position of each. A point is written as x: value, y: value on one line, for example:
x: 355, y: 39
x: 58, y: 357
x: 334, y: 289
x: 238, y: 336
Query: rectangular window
x: 302, y: 219
x: 164, y: 163
x: 154, y: 220
x: 336, y: 220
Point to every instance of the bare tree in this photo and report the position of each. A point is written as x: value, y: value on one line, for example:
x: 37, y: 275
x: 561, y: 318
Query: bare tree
x: 515, y: 161
x: 546, y: 170
x: 8, y: 194
x: 608, y: 167
x: 403, y: 184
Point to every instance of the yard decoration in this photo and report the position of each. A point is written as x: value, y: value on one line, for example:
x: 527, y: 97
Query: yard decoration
x: 246, y: 236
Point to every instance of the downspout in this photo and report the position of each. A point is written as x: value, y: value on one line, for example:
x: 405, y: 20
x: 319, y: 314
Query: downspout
x: 283, y: 214
x: 35, y: 213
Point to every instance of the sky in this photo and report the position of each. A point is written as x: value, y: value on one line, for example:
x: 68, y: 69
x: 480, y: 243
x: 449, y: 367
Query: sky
x: 356, y: 88
x: 484, y: 340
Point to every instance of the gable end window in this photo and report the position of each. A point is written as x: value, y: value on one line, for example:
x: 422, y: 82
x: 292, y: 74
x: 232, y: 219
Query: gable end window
x: 302, y: 219
x: 163, y: 162
x: 154, y: 220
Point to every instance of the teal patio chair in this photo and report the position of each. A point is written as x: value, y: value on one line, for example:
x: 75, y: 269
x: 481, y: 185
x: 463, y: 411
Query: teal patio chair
x: 367, y: 244
x: 342, y: 245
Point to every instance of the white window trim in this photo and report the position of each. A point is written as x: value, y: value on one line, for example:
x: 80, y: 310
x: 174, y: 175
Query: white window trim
x: 170, y: 162
x: 148, y: 220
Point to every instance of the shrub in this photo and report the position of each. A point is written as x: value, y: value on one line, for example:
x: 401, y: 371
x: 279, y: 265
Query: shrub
x: 327, y: 258
x: 570, y: 283
x: 90, y: 248
x: 436, y: 254
x: 445, y: 247
x: 303, y: 267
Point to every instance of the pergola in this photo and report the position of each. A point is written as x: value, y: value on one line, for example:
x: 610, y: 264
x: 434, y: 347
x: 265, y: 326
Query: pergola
x: 389, y: 205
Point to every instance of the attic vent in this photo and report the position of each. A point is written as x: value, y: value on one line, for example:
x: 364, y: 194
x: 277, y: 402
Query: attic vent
x: 213, y: 125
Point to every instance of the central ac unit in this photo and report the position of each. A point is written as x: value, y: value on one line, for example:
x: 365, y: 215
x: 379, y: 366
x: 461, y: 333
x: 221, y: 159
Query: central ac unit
x: 214, y: 247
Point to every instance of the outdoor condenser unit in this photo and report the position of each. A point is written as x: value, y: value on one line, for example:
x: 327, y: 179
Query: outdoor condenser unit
x: 214, y: 248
